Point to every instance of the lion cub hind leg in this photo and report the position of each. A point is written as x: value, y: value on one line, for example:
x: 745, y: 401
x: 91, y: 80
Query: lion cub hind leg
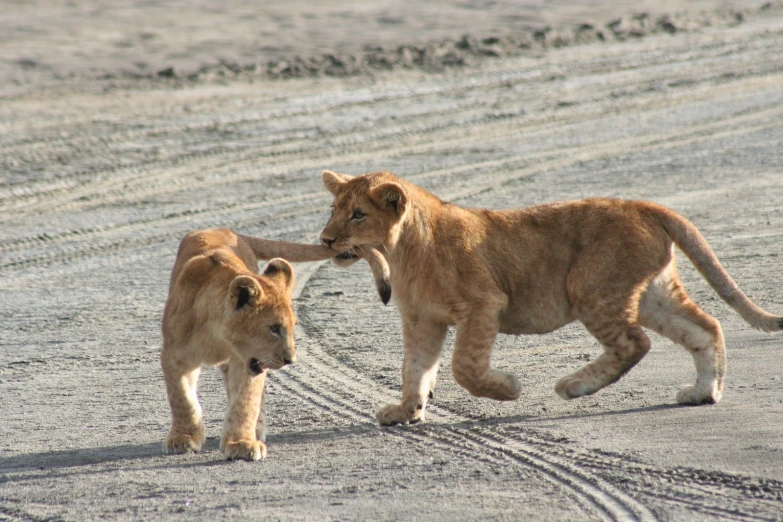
x: 245, y: 394
x: 470, y: 363
x: 666, y: 309
x: 624, y: 345
x: 187, y: 433
x: 423, y: 345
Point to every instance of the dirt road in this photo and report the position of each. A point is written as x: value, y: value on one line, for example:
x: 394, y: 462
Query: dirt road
x: 100, y: 178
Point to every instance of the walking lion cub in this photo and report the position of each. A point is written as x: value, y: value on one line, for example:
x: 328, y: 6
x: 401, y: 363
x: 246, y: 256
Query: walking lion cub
x: 604, y: 262
x: 221, y: 311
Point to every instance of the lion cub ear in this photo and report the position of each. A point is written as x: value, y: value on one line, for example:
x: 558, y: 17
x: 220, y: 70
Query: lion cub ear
x: 280, y: 271
x: 390, y: 195
x: 244, y: 290
x: 334, y: 182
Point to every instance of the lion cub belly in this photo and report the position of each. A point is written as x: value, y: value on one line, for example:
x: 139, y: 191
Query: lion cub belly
x: 533, y: 319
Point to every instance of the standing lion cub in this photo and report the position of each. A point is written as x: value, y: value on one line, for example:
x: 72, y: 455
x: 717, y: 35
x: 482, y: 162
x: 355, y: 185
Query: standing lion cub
x: 220, y: 311
x: 604, y: 262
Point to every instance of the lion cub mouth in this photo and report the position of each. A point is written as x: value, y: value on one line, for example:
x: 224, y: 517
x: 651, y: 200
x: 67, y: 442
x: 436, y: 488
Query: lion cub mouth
x: 257, y: 367
x: 346, y: 256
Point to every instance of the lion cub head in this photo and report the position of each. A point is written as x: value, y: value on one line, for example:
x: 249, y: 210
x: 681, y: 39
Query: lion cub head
x: 367, y: 210
x: 259, y: 318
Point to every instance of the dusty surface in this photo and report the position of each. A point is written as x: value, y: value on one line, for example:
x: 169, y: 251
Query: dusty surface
x: 101, y: 174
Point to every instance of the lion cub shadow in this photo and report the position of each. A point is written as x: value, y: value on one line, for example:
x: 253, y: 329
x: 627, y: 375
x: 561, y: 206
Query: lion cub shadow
x: 81, y: 457
x: 526, y: 419
x: 209, y: 455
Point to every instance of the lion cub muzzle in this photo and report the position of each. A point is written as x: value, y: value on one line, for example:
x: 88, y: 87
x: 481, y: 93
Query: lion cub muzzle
x: 256, y: 367
x: 347, y: 254
x: 376, y: 260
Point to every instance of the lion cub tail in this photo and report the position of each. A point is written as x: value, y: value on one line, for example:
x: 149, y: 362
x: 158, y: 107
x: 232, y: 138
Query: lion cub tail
x: 266, y: 249
x: 692, y: 243
x: 380, y: 271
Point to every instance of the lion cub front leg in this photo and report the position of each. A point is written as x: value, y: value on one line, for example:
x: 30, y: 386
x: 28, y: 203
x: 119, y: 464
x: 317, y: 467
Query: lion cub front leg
x: 261, y: 424
x: 187, y: 432
x: 245, y: 393
x: 423, y: 345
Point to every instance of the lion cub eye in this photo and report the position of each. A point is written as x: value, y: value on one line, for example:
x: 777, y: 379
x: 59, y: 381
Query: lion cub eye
x: 275, y: 329
x: 358, y: 215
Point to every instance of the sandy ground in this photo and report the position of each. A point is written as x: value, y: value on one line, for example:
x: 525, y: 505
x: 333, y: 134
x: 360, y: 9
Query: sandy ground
x: 105, y: 164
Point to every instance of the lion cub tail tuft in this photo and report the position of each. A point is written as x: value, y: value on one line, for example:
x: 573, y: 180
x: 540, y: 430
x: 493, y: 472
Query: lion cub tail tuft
x: 380, y: 271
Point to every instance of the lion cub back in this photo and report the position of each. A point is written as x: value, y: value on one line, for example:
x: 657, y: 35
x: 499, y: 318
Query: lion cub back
x: 208, y: 242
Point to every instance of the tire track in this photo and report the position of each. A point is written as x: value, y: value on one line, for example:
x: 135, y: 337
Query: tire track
x: 676, y: 55
x: 348, y: 138
x: 252, y: 158
x: 711, y: 493
x: 80, y: 252
x: 613, y: 485
x: 455, y: 140
x: 503, y: 170
x: 244, y: 166
x: 354, y: 144
x: 710, y: 131
x: 162, y: 127
x: 609, y: 503
x: 344, y: 392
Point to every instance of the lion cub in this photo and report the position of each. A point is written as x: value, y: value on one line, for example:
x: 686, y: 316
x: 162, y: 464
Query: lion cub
x: 604, y: 262
x: 220, y: 311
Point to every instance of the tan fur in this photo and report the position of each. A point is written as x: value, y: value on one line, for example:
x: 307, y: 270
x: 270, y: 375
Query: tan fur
x: 220, y: 311
x: 606, y: 263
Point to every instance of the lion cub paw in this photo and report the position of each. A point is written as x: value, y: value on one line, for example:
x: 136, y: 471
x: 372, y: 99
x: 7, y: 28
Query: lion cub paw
x: 392, y: 414
x: 514, y: 388
x: 572, y: 387
x: 180, y: 443
x: 245, y: 450
x: 696, y: 395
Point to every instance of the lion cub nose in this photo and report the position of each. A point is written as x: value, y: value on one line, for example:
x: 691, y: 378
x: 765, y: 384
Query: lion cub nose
x: 289, y: 360
x: 327, y: 242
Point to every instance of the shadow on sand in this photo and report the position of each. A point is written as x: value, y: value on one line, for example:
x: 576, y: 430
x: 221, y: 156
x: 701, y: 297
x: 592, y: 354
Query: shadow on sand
x: 117, y: 457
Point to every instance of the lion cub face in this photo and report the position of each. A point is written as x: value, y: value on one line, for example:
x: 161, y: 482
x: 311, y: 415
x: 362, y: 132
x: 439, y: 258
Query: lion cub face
x: 364, y: 212
x: 260, y: 319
